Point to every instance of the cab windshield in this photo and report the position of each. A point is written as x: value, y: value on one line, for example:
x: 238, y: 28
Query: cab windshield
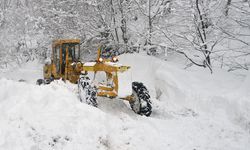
x: 73, y: 50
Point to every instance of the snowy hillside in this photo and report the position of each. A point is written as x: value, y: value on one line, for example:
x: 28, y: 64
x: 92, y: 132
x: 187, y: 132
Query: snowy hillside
x: 210, y: 33
x: 192, y: 110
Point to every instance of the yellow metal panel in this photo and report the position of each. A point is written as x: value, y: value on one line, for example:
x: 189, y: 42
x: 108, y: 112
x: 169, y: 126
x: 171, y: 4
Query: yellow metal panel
x: 62, y: 41
x: 110, y: 94
x: 88, y: 68
x: 105, y: 88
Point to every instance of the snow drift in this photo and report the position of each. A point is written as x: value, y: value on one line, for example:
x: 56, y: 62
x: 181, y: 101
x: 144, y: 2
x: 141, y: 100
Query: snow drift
x: 191, y: 110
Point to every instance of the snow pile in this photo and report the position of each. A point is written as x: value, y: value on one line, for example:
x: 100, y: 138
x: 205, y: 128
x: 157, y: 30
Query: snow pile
x: 191, y: 110
x: 28, y: 72
x: 34, y: 117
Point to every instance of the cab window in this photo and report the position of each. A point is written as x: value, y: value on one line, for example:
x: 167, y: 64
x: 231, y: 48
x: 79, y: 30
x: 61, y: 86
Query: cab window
x: 73, y: 51
x: 57, y: 58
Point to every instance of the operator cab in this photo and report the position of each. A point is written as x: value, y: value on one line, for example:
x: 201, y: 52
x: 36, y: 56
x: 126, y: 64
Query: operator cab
x: 62, y: 48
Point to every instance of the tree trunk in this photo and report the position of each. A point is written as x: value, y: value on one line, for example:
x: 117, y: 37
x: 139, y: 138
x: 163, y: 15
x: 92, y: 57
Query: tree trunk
x: 124, y: 23
x: 227, y: 7
x: 114, y: 20
x: 149, y: 23
x: 203, y: 37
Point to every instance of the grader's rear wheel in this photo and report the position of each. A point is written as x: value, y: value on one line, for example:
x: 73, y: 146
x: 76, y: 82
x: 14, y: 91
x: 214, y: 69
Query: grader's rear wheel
x: 141, y: 104
x: 44, y: 81
x: 39, y: 82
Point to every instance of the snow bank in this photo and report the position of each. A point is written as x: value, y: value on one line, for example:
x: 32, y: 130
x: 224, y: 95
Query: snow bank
x: 191, y: 110
x: 45, y: 117
x: 194, y: 92
x: 28, y: 72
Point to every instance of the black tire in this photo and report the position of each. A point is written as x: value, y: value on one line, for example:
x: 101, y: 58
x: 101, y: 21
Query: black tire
x: 40, y: 82
x: 44, y: 81
x: 87, y: 92
x: 141, y: 104
x: 21, y: 80
x: 49, y: 80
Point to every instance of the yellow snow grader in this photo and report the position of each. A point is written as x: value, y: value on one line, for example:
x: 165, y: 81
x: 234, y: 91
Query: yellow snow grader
x: 65, y: 64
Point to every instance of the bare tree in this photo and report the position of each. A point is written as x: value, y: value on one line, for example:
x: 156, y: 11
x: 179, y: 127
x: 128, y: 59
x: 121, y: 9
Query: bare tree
x: 227, y: 7
x: 152, y: 10
x: 123, y: 21
x: 201, y: 30
x: 113, y: 18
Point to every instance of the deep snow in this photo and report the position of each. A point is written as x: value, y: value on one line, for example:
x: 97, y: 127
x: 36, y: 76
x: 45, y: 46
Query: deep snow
x: 192, y: 109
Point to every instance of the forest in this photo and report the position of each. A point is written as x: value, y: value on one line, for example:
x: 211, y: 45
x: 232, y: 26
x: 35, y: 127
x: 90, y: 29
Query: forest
x: 206, y: 33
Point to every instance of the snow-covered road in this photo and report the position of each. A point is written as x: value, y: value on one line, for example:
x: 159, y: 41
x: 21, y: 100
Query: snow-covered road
x: 191, y: 110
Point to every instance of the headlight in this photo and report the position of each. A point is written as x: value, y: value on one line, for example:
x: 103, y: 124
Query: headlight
x: 100, y: 59
x: 79, y: 63
x: 115, y: 59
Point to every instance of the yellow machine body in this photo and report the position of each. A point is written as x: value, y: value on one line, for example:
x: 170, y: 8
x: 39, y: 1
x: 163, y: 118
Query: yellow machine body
x: 65, y: 64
